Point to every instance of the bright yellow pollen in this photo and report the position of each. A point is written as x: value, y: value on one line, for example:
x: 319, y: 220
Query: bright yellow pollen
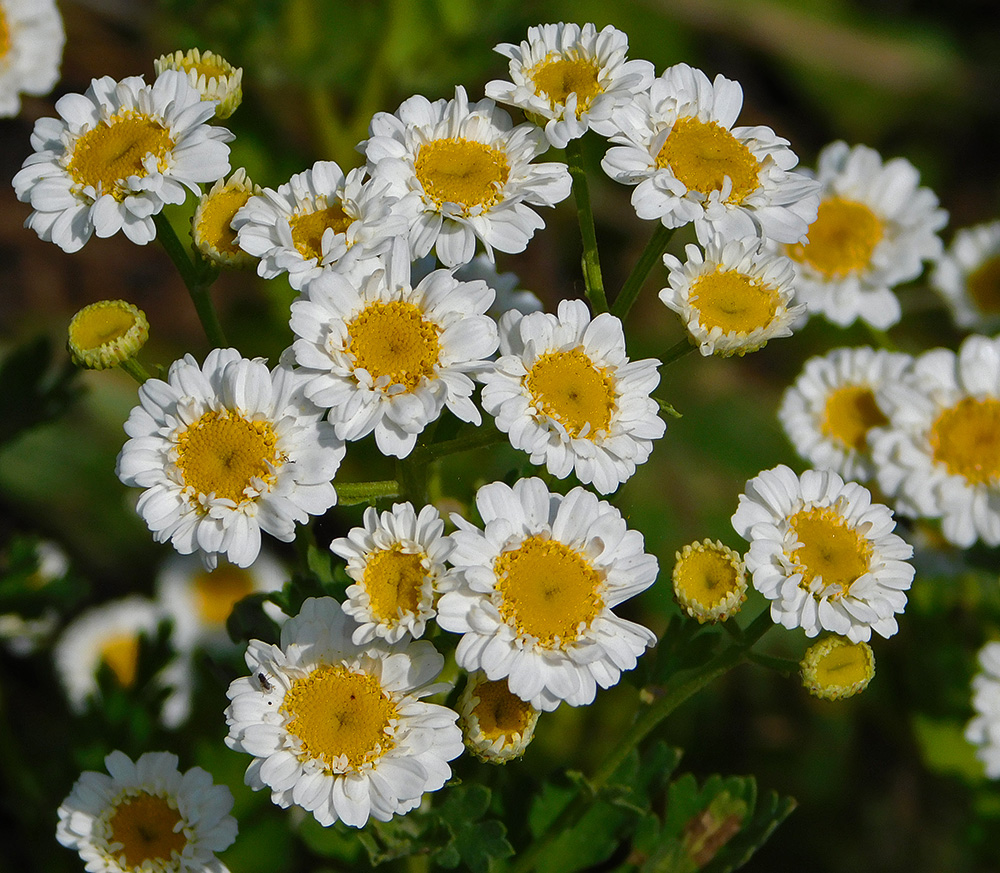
x: 548, y: 590
x: 850, y: 412
x: 395, y: 340
x: 733, y: 302
x: 104, y: 157
x: 560, y: 77
x: 337, y: 713
x: 706, y: 576
x: 830, y: 549
x: 570, y: 388
x: 843, y: 666
x: 394, y: 580
x: 96, y: 326
x: 500, y: 713
x: 144, y: 825
x: 222, y: 453
x: 216, y: 216
x: 966, y: 439
x: 121, y: 654
x: 841, y: 239
x: 4, y: 34
x: 471, y: 174
x: 219, y: 591
x: 984, y: 285
x: 702, y: 154
x: 309, y: 227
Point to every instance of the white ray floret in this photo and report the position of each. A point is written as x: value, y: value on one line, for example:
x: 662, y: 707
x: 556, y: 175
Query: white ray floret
x: 983, y: 731
x: 31, y: 47
x: 967, y: 276
x: 823, y: 553
x: 340, y: 729
x: 535, y: 588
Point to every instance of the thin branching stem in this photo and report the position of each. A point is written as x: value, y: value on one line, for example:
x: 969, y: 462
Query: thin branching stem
x: 592, y: 279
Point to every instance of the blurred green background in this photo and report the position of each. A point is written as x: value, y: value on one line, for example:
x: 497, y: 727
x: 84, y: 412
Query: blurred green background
x: 885, y: 781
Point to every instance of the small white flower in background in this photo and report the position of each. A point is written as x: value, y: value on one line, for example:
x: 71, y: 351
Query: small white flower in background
x: 874, y: 230
x: 564, y: 391
x: 211, y: 226
x: 504, y: 285
x: 109, y: 634
x: 199, y: 601
x: 569, y: 78
x: 397, y: 563
x: 733, y: 298
x: 116, y: 155
x: 967, y: 276
x: 224, y: 451
x: 828, y: 412
x: 471, y: 171
x: 939, y: 455
x: 983, y: 731
x: 534, y: 592
x: 823, y: 553
x: 147, y: 816
x: 31, y: 47
x: 498, y: 726
x: 211, y: 74
x: 676, y: 143
x: 386, y: 357
x: 320, y: 220
x: 340, y: 729
x: 22, y: 636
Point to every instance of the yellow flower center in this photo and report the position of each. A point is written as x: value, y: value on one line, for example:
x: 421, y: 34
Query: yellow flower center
x: 843, y: 666
x: 984, y: 285
x: 309, y: 227
x: 219, y: 591
x: 733, y: 302
x: 145, y: 826
x: 570, y: 388
x: 336, y: 713
x: 707, y: 575
x: 850, y: 412
x: 395, y: 340
x: 841, y: 239
x: 471, y: 174
x: 500, y: 713
x: 394, y: 580
x: 548, y: 591
x: 96, y: 325
x: 105, y: 156
x: 4, y: 34
x: 121, y: 654
x: 222, y: 453
x: 207, y: 67
x: 702, y: 154
x: 560, y: 77
x: 217, y: 215
x: 966, y: 439
x: 830, y: 549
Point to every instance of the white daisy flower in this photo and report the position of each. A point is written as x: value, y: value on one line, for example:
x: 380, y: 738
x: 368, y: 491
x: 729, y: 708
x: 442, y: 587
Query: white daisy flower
x: 535, y: 588
x: 109, y: 635
x: 339, y: 729
x: 569, y: 78
x: 397, y: 563
x: 498, y: 726
x: 983, y: 731
x: 320, y: 220
x: 147, y: 817
x: 677, y: 143
x: 939, y: 456
x: 31, y: 47
x: 823, y: 553
x: 472, y: 173
x: 733, y: 298
x: 224, y: 451
x: 211, y: 225
x: 566, y: 393
x: 23, y: 635
x: 117, y: 155
x: 199, y: 602
x: 874, y: 229
x: 967, y: 276
x: 833, y: 404
x: 386, y: 357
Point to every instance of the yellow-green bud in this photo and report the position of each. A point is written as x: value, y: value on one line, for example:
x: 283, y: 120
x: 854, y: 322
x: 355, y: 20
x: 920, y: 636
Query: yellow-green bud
x: 835, y: 668
x: 106, y: 333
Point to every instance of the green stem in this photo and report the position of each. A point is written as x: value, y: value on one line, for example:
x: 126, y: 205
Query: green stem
x: 881, y: 338
x: 650, y: 256
x: 677, y: 351
x: 411, y: 473
x: 349, y: 493
x: 592, y: 279
x: 136, y: 370
x: 198, y: 276
x: 676, y: 694
x: 480, y: 437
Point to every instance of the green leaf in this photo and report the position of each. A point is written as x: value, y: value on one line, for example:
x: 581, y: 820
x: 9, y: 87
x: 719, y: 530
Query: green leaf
x: 475, y: 841
x: 337, y: 842
x: 32, y: 393
x: 945, y: 749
